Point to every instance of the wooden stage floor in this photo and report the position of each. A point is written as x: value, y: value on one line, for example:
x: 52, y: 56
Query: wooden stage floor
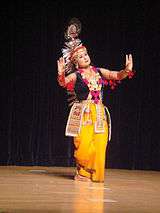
x: 52, y: 189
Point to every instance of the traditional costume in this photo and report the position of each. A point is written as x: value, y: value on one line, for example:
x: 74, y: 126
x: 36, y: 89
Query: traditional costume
x: 89, y: 120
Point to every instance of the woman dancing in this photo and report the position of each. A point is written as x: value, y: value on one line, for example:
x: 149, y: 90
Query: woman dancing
x: 89, y: 120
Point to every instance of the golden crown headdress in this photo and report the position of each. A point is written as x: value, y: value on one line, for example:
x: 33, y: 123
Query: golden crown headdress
x: 72, y: 43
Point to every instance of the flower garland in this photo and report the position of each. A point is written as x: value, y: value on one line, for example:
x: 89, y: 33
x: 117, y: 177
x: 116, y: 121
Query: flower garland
x: 114, y: 83
x: 94, y: 85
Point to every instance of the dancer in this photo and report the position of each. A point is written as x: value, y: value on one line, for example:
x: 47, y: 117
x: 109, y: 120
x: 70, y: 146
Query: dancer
x: 89, y: 120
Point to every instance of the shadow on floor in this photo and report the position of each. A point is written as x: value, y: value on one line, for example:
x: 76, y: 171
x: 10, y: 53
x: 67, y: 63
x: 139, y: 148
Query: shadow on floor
x: 55, y: 173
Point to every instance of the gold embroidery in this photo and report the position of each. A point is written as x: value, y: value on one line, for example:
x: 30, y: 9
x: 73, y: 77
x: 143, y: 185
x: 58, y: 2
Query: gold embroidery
x: 74, y: 120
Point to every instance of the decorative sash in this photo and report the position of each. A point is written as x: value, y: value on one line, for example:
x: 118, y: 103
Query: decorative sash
x: 75, y: 119
x: 109, y: 123
x: 99, y: 124
x: 74, y: 122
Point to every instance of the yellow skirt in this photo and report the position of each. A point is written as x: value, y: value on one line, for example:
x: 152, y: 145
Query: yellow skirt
x: 90, y: 147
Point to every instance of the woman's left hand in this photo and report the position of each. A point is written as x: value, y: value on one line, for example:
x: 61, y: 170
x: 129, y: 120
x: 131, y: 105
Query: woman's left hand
x: 129, y: 62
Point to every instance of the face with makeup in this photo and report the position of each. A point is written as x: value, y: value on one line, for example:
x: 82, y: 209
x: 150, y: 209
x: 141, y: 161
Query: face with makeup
x: 81, y: 58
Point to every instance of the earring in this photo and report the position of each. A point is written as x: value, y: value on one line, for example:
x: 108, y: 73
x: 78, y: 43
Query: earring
x: 76, y: 66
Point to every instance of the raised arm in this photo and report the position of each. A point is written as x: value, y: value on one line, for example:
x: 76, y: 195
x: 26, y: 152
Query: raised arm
x: 62, y: 79
x: 119, y: 75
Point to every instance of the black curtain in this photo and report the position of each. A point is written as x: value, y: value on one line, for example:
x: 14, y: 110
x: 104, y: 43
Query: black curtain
x: 33, y: 107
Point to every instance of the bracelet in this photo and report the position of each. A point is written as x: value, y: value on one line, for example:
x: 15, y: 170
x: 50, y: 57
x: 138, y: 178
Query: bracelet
x: 130, y: 73
x: 61, y: 80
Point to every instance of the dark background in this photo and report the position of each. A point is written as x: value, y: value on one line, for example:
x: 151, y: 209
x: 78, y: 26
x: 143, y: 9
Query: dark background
x: 33, y: 107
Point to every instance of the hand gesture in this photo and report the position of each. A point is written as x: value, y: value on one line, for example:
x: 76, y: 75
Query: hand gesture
x: 129, y: 62
x: 61, y: 66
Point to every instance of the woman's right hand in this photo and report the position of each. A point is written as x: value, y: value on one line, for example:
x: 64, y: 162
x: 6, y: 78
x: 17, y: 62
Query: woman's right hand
x: 67, y: 82
x: 61, y: 66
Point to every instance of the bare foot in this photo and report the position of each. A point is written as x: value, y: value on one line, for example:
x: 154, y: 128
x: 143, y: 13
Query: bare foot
x: 81, y: 178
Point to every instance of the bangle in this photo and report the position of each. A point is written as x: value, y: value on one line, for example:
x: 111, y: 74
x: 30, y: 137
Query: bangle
x: 131, y: 73
x: 61, y: 80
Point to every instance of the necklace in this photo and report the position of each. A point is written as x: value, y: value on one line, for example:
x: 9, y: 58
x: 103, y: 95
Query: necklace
x: 94, y: 83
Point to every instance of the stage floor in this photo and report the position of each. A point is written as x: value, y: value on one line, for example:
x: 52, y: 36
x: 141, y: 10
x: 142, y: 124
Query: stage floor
x: 52, y: 189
